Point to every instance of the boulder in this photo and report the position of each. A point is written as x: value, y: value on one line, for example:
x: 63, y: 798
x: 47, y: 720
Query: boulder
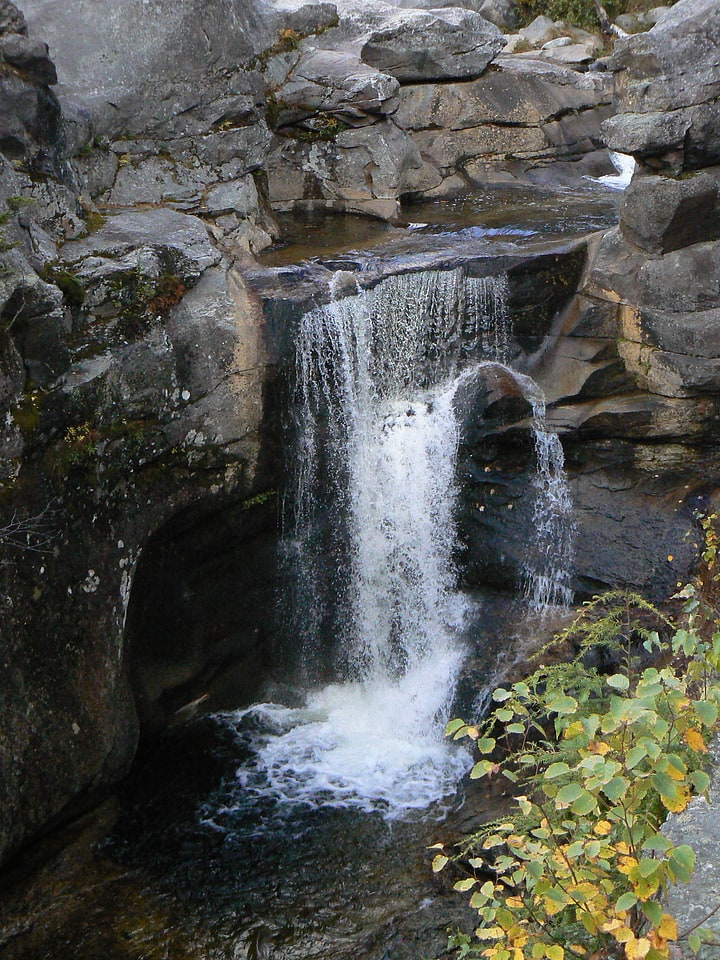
x: 336, y: 83
x: 446, y: 44
x: 539, y: 31
x: 136, y: 67
x: 661, y: 214
x: 181, y: 241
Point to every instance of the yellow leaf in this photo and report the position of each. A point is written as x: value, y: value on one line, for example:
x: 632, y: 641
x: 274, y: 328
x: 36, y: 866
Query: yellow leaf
x: 622, y: 847
x: 554, y: 951
x: 625, y: 864
x: 694, y: 739
x: 668, y: 927
x: 514, y: 903
x: 598, y: 747
x: 602, y: 828
x: 637, y: 949
x: 678, y: 802
x: 577, y: 948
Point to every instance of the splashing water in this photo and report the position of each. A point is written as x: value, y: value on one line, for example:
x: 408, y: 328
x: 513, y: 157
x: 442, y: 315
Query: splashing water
x: 371, y: 545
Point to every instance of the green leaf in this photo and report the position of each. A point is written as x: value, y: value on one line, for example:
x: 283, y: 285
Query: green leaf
x: 706, y: 711
x: 634, y: 756
x: 453, y: 726
x: 500, y: 695
x: 585, y: 804
x: 700, y: 780
x: 503, y: 714
x: 556, y: 770
x: 618, y: 681
x: 481, y: 768
x: 515, y: 728
x: 562, y: 705
x: 616, y: 789
x: 647, y: 867
x: 486, y: 744
x: 464, y: 885
x: 657, y: 843
x: 567, y: 794
x: 626, y: 901
x: 653, y: 911
x: 694, y: 942
x: 439, y: 862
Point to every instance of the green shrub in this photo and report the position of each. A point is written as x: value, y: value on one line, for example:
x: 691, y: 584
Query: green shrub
x: 600, y: 755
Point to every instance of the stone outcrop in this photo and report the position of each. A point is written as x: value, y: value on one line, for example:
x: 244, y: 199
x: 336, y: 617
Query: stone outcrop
x: 518, y: 115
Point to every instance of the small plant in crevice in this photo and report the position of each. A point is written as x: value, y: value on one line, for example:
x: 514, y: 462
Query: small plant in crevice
x: 600, y: 753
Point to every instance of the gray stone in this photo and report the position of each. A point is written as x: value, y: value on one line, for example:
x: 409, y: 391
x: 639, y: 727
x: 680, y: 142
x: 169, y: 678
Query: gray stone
x: 683, y: 280
x: 311, y: 17
x: 138, y: 66
x: 338, y: 83
x: 539, y: 31
x: 364, y: 170
x: 649, y: 135
x: 446, y: 44
x: 671, y: 75
x: 156, y: 180
x: 11, y: 19
x: 661, y: 214
x: 180, y: 239
x: 237, y: 196
x: 29, y: 56
x: 575, y: 55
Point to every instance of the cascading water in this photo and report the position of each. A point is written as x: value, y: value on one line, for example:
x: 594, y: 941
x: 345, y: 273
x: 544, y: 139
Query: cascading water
x: 371, y: 544
x: 546, y: 573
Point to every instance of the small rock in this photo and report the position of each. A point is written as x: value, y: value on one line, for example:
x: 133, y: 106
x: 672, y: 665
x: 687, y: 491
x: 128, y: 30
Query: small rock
x: 539, y: 31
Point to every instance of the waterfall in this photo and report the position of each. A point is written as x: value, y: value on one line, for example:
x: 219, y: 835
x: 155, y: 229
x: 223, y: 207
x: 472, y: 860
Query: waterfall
x: 546, y: 573
x: 373, y: 483
x: 373, y: 606
x: 370, y: 541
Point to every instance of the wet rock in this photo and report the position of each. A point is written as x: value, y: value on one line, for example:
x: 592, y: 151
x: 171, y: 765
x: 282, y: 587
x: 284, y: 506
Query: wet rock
x: 448, y: 44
